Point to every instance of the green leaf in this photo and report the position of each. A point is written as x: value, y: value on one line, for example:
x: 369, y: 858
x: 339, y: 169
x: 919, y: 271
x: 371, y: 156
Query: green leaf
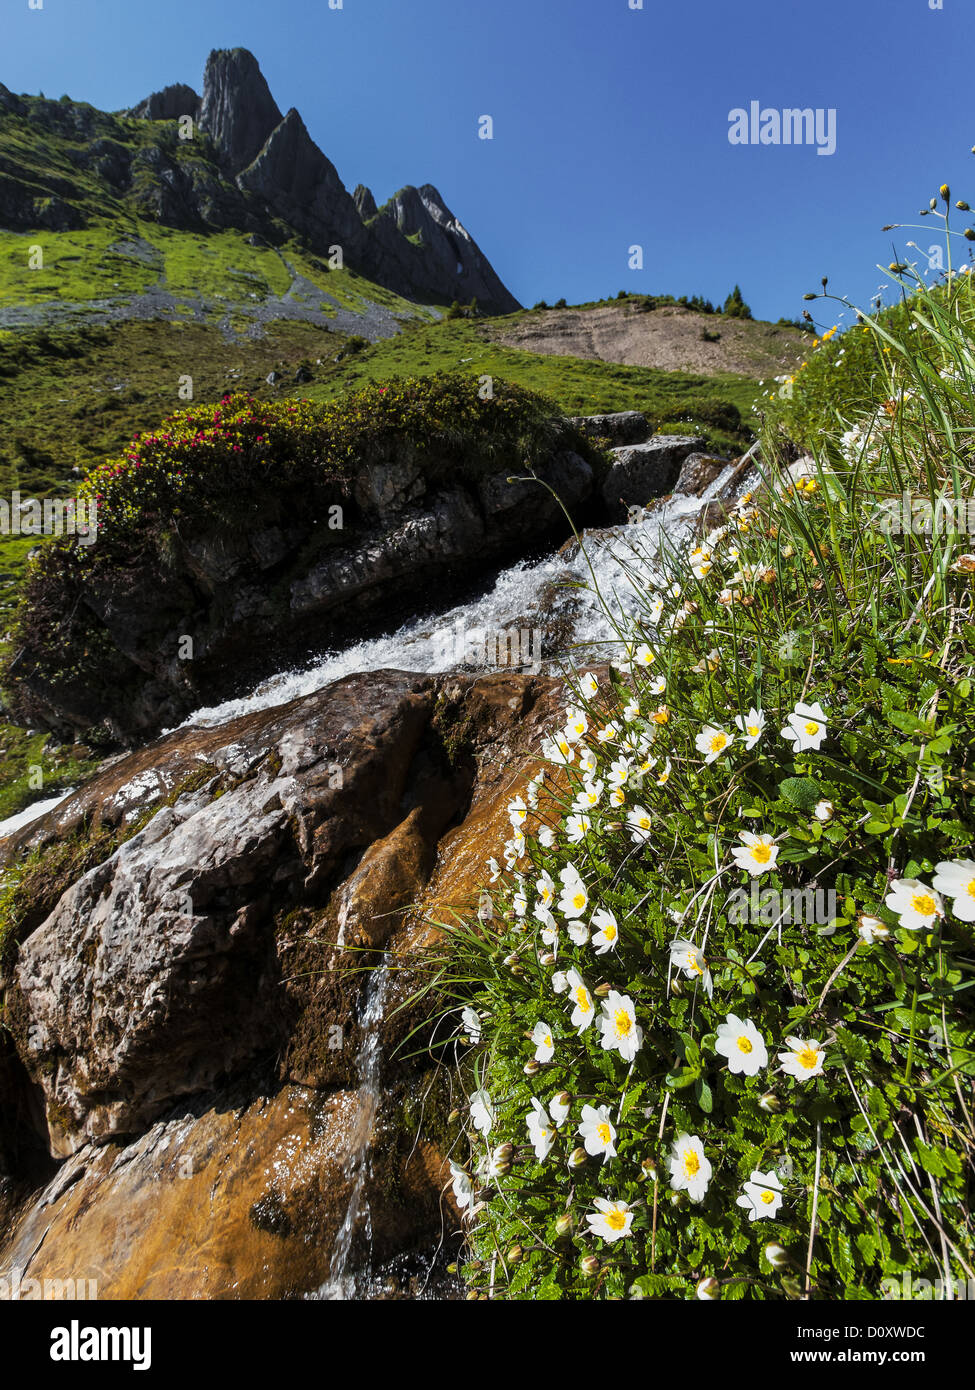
x: 801, y: 792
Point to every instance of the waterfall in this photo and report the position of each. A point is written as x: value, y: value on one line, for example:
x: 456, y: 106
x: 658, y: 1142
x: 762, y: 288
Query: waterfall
x: 620, y: 557
x: 346, y: 1281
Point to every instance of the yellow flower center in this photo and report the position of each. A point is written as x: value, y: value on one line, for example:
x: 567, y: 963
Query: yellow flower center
x: 609, y: 931
x: 547, y: 1040
x: 768, y: 1197
x: 718, y: 741
x: 812, y: 728
x: 604, y: 1132
x: 578, y: 901
x: 623, y: 1022
x: 692, y: 1163
x: 808, y: 1057
x: 745, y: 1044
x: 616, y: 1219
x: 924, y: 904
x: 644, y: 822
x: 582, y: 999
x: 752, y: 730
x: 761, y: 853
x: 970, y: 888
x: 692, y: 963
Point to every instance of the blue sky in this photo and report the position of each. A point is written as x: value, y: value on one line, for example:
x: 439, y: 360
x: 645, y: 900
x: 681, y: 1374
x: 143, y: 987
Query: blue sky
x: 610, y: 124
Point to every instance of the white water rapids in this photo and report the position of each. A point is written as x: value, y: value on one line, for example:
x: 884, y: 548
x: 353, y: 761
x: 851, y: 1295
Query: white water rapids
x: 520, y: 600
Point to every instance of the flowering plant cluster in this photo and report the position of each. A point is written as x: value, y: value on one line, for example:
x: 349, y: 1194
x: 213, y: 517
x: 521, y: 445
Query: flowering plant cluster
x: 666, y: 1100
x: 231, y: 454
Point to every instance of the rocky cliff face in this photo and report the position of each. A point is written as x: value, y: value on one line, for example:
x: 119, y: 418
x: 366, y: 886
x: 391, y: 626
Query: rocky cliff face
x: 253, y: 169
x: 182, y: 1080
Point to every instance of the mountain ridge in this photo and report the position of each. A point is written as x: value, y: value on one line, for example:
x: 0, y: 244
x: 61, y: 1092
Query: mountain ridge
x: 247, y: 167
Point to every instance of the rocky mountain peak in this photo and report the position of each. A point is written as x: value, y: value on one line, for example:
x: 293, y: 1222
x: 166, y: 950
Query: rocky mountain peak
x: 238, y: 109
x: 168, y: 105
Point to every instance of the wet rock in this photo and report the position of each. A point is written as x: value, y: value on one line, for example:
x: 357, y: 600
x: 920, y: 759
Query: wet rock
x: 698, y: 472
x: 620, y: 427
x: 642, y: 471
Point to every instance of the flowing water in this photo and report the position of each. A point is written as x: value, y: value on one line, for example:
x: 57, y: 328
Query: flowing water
x: 347, y: 1279
x: 543, y: 594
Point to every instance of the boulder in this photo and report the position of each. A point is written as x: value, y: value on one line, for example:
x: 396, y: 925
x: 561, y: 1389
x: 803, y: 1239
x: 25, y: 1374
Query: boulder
x: 641, y: 471
x: 194, y: 1002
x: 698, y: 472
x: 620, y: 427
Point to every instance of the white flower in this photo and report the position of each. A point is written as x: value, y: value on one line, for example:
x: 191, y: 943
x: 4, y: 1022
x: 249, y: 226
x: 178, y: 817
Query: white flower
x: 541, y: 1131
x: 806, y: 726
x: 576, y: 829
x: 914, y: 903
x: 494, y: 869
x: 756, y: 853
x: 639, y: 822
x: 613, y: 1220
x: 587, y: 762
x: 956, y: 879
x: 619, y: 771
x: 631, y: 711
x: 643, y: 656
x: 617, y: 797
x: 471, y: 1024
x: 664, y: 776
x: 544, y: 1046
x: 619, y: 1027
x: 658, y: 685
x: 576, y: 725
x: 761, y: 1195
x: 690, y: 958
x: 701, y: 563
x: 589, y: 797
x: 520, y: 900
x: 462, y: 1185
x: 546, y: 837
x: 711, y: 742
x: 546, y: 889
x: 743, y: 1045
x: 589, y: 685
x: 560, y: 982
x: 823, y: 810
x: 655, y: 609
x: 581, y: 999
x: 872, y: 929
x: 690, y: 1170
x: 607, y: 935
x: 558, y: 750
x: 559, y: 1109
x: 482, y: 1112
x: 597, y: 1132
x: 752, y: 725
x: 517, y: 811
x: 804, y: 1061
x: 608, y: 733
x: 578, y: 932
x: 574, y: 898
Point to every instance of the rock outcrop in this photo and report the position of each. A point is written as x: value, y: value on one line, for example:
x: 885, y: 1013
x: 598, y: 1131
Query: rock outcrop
x: 188, y: 1018
x: 642, y: 471
x: 171, y: 104
x: 238, y: 109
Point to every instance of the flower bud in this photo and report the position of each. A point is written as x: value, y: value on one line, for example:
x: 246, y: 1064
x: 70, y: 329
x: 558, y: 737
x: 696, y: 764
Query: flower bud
x: 577, y: 1158
x: 969, y: 234
x: 453, y: 1117
x: 816, y: 296
x: 547, y: 959
x: 945, y: 192
x: 473, y: 1296
x: 563, y: 1098
x: 709, y: 1289
x: 565, y: 1225
x: 452, y: 1269
x: 770, y: 1102
x: 514, y: 1254
x: 532, y: 1068
x: 602, y: 990
x: 933, y: 204
x: 823, y: 810
x: 589, y: 1264
x: 777, y: 1257
x: 648, y: 1170
x: 962, y: 206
